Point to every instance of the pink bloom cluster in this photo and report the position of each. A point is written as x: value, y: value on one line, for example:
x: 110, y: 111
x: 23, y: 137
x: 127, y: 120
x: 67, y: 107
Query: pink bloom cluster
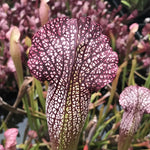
x: 25, y: 16
x: 10, y: 137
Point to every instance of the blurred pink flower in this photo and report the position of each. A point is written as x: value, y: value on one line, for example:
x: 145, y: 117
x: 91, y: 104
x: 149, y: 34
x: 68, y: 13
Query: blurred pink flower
x: 146, y: 29
x: 9, y: 33
x: 144, y: 47
x: 133, y: 15
x: 134, y: 27
x: 32, y: 134
x: 44, y: 12
x: 10, y: 65
x: 85, y: 7
x: 5, y: 6
x: 3, y: 76
x: 10, y: 136
x: 24, y: 2
x: 1, y: 147
x: 146, y: 62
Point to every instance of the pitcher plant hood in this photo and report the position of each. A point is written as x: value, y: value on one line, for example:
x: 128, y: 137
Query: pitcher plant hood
x: 135, y: 101
x: 76, y: 59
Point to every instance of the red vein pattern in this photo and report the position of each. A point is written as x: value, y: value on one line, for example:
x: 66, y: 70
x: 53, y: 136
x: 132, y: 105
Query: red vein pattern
x: 75, y: 57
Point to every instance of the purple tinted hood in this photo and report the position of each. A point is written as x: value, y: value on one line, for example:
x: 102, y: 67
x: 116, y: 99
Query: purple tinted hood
x: 76, y: 59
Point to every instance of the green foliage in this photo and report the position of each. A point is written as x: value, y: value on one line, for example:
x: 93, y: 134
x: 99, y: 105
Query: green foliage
x: 135, y: 4
x: 147, y: 83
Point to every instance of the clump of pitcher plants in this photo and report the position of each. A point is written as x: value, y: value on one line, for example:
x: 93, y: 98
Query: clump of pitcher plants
x: 93, y: 62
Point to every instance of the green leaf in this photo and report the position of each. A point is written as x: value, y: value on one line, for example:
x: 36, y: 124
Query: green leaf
x: 16, y: 54
x: 36, y: 147
x: 147, y: 83
x: 131, y: 80
x: 27, y: 41
x: 149, y: 37
x: 95, y: 95
x: 126, y: 3
x: 40, y: 93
